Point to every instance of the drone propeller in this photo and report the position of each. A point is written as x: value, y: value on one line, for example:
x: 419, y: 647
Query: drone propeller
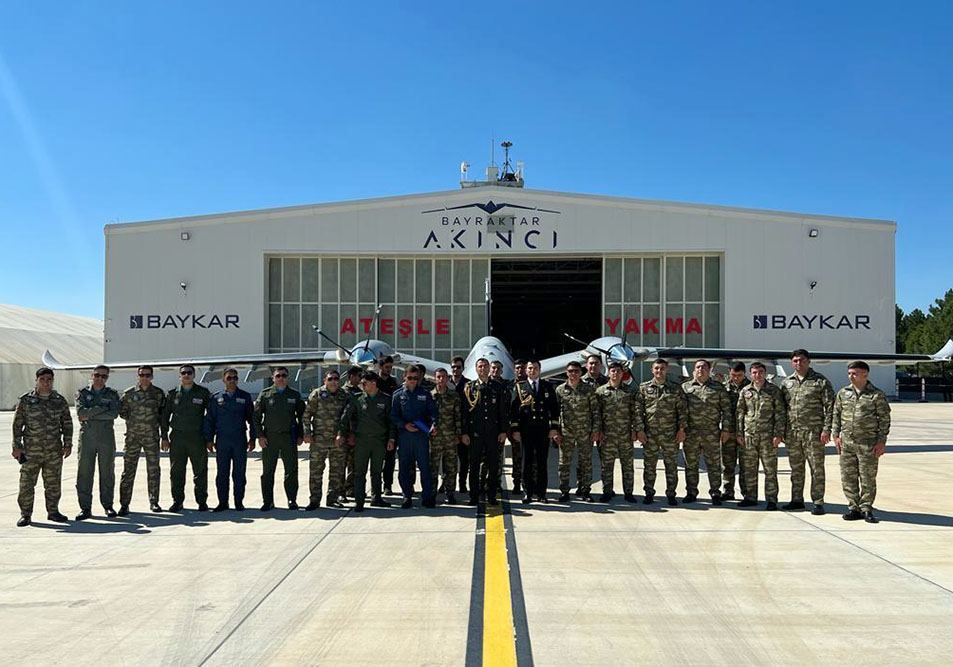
x: 377, y: 314
x: 585, y: 344
x: 329, y: 339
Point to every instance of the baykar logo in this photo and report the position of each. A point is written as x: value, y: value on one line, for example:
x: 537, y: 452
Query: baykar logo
x: 812, y: 322
x: 135, y: 321
x: 760, y: 321
x: 189, y: 321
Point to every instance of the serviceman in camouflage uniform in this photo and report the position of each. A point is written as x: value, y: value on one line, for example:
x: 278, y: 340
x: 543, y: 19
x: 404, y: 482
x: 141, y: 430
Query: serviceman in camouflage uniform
x: 184, y: 412
x: 42, y: 438
x: 809, y: 402
x: 761, y: 425
x: 860, y: 426
x: 730, y: 450
x: 458, y: 383
x: 367, y: 427
x: 230, y: 433
x: 709, y: 425
x: 443, y: 443
x: 97, y: 407
x: 578, y: 429
x: 666, y: 417
x: 594, y: 376
x: 278, y: 411
x: 322, y: 415
x: 141, y: 406
x: 621, y: 423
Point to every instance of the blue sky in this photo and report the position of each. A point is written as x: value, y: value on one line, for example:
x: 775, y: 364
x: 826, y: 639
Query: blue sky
x: 113, y: 112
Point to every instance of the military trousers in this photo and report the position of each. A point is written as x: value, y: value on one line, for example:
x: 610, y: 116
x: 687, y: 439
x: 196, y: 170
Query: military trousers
x: 669, y: 452
x: 516, y: 453
x: 858, y: 474
x: 611, y: 449
x: 47, y: 460
x: 443, y: 461
x: 731, y: 462
x: 484, y: 454
x: 136, y: 445
x: 348, y: 484
x: 805, y: 445
x: 91, y: 452
x: 231, y: 459
x: 368, y: 452
x: 414, y: 452
x: 390, y: 464
x: 279, y: 446
x: 581, y: 446
x: 535, y: 460
x: 707, y: 446
x: 323, y: 450
x: 463, y: 457
x: 188, y: 449
x: 760, y: 449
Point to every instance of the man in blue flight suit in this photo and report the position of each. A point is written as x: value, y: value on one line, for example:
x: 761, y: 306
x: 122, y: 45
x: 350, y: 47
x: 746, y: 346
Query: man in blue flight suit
x: 230, y: 432
x: 414, y: 413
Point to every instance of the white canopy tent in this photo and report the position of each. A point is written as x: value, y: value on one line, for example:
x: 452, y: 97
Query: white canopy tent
x: 25, y: 333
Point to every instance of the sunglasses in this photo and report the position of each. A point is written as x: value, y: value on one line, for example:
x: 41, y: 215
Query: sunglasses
x: 145, y: 375
x: 411, y: 377
x: 231, y: 378
x: 334, y: 379
x: 456, y: 368
x: 281, y: 375
x: 100, y: 375
x: 186, y: 372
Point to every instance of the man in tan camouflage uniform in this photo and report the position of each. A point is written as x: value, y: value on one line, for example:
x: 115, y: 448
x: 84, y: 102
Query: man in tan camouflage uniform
x: 761, y: 424
x: 593, y: 375
x: 141, y: 406
x: 860, y: 426
x: 666, y: 416
x: 809, y: 401
x: 578, y: 429
x: 443, y: 443
x: 42, y: 438
x: 620, y: 423
x: 731, y: 450
x: 97, y: 407
x: 709, y: 424
x: 322, y: 414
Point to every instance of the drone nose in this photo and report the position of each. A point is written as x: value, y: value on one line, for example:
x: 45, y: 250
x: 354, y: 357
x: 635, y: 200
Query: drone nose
x: 361, y: 357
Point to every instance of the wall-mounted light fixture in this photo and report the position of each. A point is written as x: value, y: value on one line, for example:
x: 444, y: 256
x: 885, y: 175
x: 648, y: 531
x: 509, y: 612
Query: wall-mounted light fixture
x: 184, y: 285
x: 185, y: 236
x: 813, y: 233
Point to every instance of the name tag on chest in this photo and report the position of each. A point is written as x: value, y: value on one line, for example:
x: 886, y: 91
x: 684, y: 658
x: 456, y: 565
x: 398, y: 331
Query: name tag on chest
x: 197, y: 401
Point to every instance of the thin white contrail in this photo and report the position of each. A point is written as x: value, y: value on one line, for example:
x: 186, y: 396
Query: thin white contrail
x: 68, y: 229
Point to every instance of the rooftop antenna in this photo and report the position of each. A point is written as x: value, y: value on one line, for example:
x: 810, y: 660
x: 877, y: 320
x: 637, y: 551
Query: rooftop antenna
x: 508, y: 173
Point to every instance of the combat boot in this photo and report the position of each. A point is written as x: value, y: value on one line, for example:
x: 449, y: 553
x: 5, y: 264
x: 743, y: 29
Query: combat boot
x: 407, y: 504
x: 359, y: 506
x: 527, y: 499
x: 429, y: 504
x: 82, y: 516
x: 564, y: 497
x: 292, y: 505
x: 818, y: 510
x: 648, y: 499
x: 451, y: 499
x: 154, y: 507
x: 23, y: 521
x: 517, y: 487
x: 793, y: 505
x: 672, y: 501
x: 729, y: 494
x: 175, y: 507
x: 267, y: 507
x: 630, y: 498
x: 239, y: 507
x: 771, y: 507
x: 605, y: 497
x: 110, y: 512
x: 870, y: 518
x: 690, y: 498
x: 853, y: 515
x: 203, y: 507
x: 123, y: 510
x: 716, y: 499
x: 747, y: 502
x: 221, y: 507
x: 57, y: 517
x: 379, y: 502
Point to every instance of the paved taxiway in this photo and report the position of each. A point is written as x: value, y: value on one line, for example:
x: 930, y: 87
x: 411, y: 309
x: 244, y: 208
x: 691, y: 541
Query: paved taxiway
x: 588, y: 583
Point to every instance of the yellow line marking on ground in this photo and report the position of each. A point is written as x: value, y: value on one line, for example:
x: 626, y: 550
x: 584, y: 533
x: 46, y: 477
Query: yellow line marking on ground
x: 499, y: 638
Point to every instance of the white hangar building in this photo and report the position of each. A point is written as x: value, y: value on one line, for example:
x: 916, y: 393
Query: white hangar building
x: 552, y: 262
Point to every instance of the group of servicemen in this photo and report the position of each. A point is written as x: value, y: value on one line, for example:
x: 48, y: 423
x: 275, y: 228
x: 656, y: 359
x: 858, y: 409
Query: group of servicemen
x: 455, y: 429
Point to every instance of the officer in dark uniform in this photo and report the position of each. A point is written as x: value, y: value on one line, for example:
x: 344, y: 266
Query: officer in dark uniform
x: 387, y: 384
x: 484, y: 429
x: 185, y: 412
x: 353, y: 388
x: 230, y: 433
x: 278, y: 411
x: 534, y: 422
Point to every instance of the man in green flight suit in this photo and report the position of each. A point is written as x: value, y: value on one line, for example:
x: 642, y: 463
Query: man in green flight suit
x: 97, y: 407
x: 367, y: 426
x: 185, y: 412
x: 278, y: 411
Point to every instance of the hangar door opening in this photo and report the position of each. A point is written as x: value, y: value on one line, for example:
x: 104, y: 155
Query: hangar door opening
x: 535, y: 301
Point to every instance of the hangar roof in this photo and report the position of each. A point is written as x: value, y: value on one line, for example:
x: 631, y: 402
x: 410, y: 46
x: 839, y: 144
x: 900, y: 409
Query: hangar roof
x: 498, y: 192
x: 25, y: 333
